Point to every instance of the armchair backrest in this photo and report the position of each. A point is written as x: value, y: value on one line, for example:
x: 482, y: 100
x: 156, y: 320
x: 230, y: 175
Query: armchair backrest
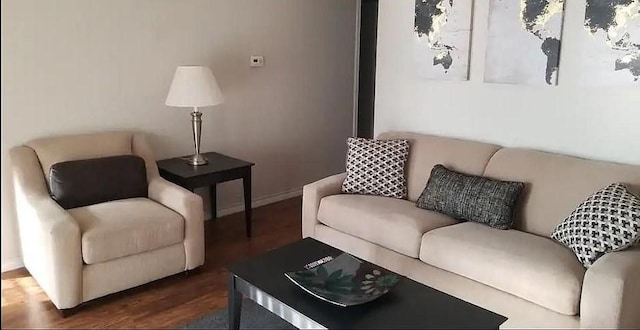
x: 57, y: 149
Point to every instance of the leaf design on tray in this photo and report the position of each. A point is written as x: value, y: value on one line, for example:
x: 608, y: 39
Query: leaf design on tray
x: 377, y: 283
x: 345, y: 281
x: 334, y: 283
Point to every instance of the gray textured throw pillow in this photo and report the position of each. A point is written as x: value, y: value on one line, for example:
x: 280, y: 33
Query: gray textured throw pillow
x: 471, y: 197
x: 376, y: 167
x: 607, y: 221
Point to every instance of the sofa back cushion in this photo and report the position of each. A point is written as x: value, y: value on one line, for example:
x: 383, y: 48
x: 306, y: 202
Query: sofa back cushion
x: 555, y: 184
x: 428, y: 150
x: 85, y: 182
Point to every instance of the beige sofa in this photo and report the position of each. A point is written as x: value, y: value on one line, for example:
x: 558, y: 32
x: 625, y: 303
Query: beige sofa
x: 83, y: 253
x: 519, y: 273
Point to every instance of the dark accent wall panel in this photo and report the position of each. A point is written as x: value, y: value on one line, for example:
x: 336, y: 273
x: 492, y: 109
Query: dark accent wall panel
x: 367, y: 67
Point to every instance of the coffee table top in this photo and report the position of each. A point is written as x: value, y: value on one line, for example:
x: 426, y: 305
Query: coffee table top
x: 408, y: 305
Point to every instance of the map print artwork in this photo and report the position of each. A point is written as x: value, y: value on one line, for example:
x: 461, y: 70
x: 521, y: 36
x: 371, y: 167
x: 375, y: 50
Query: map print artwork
x: 443, y: 34
x: 524, y: 41
x: 611, y: 48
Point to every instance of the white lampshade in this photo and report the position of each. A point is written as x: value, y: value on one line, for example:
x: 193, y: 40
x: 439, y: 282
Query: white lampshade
x: 194, y: 86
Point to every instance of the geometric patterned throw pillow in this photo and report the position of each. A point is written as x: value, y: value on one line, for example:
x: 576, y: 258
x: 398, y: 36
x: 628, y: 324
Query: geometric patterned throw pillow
x: 607, y: 221
x: 376, y: 167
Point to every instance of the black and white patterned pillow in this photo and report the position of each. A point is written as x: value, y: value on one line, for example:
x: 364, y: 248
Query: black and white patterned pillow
x: 376, y: 167
x: 607, y: 221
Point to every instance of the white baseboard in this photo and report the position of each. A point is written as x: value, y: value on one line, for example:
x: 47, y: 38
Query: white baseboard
x: 15, y: 263
x: 261, y: 201
x: 11, y: 264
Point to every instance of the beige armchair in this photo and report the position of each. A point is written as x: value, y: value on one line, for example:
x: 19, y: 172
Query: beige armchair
x: 83, y: 253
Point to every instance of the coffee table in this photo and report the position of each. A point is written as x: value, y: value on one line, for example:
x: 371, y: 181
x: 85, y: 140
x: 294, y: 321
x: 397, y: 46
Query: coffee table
x: 408, y: 305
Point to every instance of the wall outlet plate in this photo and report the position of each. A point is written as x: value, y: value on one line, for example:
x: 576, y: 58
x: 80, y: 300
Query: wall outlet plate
x: 257, y: 61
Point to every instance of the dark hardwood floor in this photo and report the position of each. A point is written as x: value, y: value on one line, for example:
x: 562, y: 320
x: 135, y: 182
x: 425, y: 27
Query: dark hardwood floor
x: 168, y: 303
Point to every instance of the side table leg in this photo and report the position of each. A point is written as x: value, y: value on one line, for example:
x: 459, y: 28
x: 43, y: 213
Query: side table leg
x: 246, y: 182
x: 213, y: 194
x: 235, y: 303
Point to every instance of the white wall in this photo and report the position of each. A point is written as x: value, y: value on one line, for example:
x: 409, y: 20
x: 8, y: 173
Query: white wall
x: 600, y: 123
x: 72, y: 66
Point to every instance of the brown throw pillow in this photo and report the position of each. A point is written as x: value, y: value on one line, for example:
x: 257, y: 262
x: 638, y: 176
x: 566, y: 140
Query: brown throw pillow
x: 90, y: 181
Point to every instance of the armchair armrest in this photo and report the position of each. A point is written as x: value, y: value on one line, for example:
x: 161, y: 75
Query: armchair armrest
x: 49, y: 236
x: 311, y: 196
x: 611, y: 291
x: 189, y: 206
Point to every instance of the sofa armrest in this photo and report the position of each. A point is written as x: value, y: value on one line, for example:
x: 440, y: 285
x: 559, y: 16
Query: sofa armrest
x: 189, y: 206
x: 611, y: 291
x: 311, y: 196
x: 50, y: 237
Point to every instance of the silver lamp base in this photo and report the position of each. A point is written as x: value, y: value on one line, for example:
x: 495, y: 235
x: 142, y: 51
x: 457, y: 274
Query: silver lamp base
x: 197, y: 159
x: 196, y: 123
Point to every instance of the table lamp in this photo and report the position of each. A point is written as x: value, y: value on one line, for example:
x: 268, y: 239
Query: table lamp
x: 194, y: 87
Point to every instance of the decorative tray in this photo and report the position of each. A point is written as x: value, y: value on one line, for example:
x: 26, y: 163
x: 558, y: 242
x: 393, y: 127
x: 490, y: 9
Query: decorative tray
x: 344, y: 280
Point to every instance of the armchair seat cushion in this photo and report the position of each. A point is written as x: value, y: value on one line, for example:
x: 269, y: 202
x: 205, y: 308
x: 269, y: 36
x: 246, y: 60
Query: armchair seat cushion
x: 126, y: 227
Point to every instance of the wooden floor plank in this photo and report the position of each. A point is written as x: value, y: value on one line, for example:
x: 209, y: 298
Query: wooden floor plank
x: 167, y: 303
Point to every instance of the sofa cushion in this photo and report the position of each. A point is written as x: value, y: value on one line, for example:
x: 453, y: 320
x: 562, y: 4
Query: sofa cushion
x: 556, y: 184
x: 84, y: 182
x: 471, y: 197
x: 392, y: 223
x: 528, y: 266
x: 607, y: 221
x: 428, y: 150
x: 126, y: 227
x: 376, y: 167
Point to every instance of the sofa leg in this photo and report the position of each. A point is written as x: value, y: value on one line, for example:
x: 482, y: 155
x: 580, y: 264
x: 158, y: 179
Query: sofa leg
x: 195, y: 271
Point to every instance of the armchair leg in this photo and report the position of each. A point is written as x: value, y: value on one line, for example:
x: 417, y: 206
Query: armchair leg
x: 66, y: 312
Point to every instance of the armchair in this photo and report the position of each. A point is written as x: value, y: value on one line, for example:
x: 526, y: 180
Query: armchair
x: 83, y: 253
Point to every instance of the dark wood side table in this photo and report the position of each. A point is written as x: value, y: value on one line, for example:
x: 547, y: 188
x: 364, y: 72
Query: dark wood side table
x: 220, y: 168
